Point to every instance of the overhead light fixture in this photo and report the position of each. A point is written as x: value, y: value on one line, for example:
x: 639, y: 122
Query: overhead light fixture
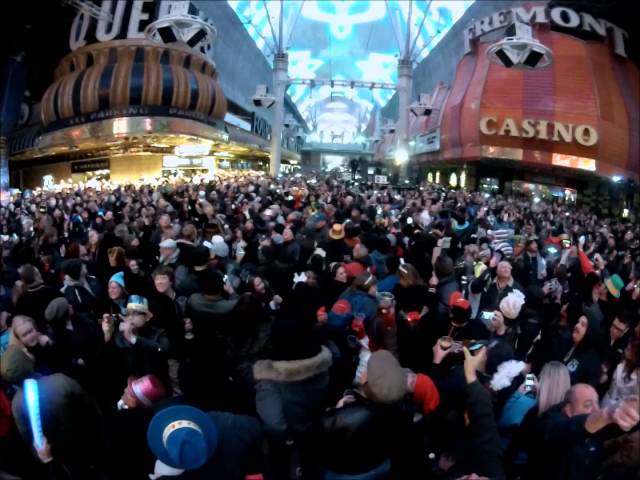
x: 262, y: 98
x: 423, y: 107
x: 401, y: 155
x: 194, y: 149
x: 519, y: 49
x: 616, y: 179
x: 185, y: 29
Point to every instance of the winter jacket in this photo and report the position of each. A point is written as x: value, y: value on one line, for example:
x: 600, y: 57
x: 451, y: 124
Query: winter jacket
x: 362, y: 302
x: 70, y: 422
x: 237, y: 454
x: 337, y: 251
x: 34, y: 302
x: 484, y: 443
x: 388, y: 283
x: 446, y: 286
x: 582, y: 360
x: 563, y: 449
x: 493, y: 294
x: 530, y: 270
x: 355, y: 439
x: 290, y: 393
x: 83, y: 296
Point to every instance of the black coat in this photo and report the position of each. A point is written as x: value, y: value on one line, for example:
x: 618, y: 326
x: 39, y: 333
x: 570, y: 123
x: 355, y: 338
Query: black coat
x: 34, y: 302
x: 290, y: 393
x: 563, y: 449
x: 238, y: 452
x: 362, y: 435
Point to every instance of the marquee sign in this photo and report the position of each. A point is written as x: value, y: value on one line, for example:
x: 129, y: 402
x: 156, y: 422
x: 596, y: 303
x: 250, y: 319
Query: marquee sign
x: 585, y: 135
x: 560, y: 16
x: 123, y: 20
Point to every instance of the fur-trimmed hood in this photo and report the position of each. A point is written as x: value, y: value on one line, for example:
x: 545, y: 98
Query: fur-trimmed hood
x: 293, y: 370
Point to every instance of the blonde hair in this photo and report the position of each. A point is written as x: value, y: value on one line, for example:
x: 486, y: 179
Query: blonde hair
x: 553, y: 386
x: 409, y: 276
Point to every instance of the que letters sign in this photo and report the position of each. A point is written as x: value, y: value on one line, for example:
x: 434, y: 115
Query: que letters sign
x: 560, y: 16
x: 585, y: 135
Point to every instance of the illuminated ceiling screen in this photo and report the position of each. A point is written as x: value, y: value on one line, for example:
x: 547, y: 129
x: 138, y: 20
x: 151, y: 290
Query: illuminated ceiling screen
x: 345, y: 40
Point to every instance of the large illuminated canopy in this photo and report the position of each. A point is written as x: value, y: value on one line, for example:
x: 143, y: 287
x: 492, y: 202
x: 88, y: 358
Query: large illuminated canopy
x: 345, y: 40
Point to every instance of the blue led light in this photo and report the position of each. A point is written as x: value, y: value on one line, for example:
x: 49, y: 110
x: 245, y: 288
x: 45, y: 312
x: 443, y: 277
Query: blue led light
x: 32, y: 399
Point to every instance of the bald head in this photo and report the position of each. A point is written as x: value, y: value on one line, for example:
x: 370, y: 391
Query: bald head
x: 581, y: 399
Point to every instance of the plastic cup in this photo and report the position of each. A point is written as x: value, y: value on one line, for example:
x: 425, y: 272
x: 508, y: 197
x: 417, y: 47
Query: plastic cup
x: 445, y: 343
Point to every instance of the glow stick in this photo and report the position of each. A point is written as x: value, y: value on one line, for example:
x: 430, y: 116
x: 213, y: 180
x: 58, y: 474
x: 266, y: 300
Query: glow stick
x: 32, y: 398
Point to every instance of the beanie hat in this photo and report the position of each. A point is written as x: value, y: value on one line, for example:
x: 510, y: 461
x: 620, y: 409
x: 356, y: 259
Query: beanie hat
x: 426, y: 393
x: 16, y: 365
x: 386, y: 379
x: 72, y: 268
x: 57, y: 309
x: 456, y: 299
x: 219, y: 246
x: 511, y: 305
x: 118, y: 279
x: 353, y: 269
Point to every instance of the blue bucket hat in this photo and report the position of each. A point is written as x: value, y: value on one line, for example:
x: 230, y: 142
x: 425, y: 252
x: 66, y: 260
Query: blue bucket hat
x: 182, y: 437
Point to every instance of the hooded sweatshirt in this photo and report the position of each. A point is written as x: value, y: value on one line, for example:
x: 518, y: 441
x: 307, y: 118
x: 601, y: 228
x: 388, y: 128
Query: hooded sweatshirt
x: 582, y: 360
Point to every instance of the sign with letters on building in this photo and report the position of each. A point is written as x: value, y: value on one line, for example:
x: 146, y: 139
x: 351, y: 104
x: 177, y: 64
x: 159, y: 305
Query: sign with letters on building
x: 584, y: 135
x: 559, y: 16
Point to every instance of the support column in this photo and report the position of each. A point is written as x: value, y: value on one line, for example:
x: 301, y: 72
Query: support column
x: 280, y: 80
x: 405, y: 78
x: 12, y: 84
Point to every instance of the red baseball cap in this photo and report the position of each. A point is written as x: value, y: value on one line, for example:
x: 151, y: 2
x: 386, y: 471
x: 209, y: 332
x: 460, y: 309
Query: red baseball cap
x: 457, y: 300
x: 341, y: 307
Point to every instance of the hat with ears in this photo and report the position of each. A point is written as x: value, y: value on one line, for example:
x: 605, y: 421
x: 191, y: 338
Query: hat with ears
x: 182, y: 437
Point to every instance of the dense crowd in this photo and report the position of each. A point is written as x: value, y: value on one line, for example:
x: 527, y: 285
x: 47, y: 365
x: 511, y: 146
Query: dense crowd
x: 314, y: 328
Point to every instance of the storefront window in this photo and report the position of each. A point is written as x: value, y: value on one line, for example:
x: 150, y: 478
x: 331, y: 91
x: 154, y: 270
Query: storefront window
x: 548, y: 193
x: 438, y: 176
x: 463, y: 179
x: 489, y: 185
x: 430, y: 177
x: 453, y: 179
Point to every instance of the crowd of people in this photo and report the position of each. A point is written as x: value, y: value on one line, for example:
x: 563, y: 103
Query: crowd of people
x: 315, y: 328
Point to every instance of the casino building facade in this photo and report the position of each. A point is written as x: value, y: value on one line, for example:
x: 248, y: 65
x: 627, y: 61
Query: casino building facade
x: 570, y: 130
x: 124, y: 107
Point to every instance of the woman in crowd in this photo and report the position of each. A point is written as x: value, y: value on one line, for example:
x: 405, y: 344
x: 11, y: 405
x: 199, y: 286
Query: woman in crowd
x: 626, y: 378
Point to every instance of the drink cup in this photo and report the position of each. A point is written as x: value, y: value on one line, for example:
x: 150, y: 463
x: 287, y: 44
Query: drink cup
x: 445, y: 343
